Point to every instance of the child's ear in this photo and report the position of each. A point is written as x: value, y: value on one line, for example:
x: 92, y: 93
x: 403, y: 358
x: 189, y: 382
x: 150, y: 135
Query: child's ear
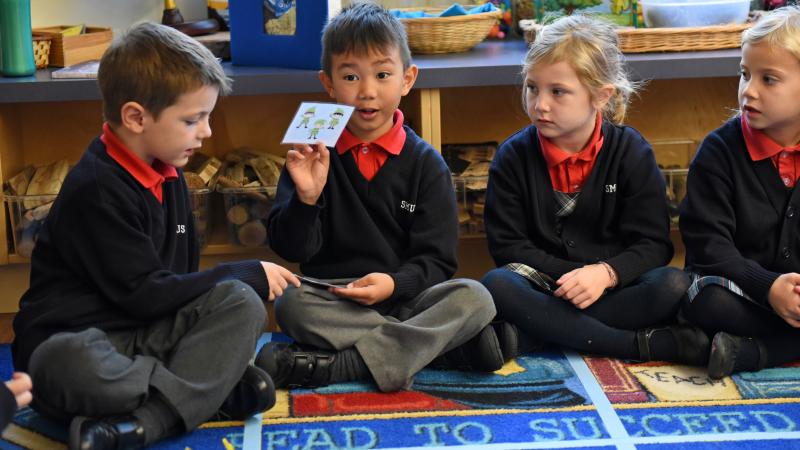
x: 603, y: 95
x: 409, y: 78
x: 132, y: 115
x: 327, y: 83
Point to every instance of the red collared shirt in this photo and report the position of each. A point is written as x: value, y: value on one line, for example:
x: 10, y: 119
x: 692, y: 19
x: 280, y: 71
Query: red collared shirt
x: 568, y: 170
x: 150, y: 177
x: 370, y: 156
x: 785, y: 159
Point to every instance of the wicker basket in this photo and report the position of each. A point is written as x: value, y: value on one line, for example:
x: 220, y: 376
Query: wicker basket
x: 643, y: 40
x: 41, y: 50
x: 448, y: 34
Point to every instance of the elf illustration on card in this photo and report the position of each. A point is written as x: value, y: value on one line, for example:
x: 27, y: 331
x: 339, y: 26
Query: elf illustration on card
x: 336, y: 117
x: 306, y: 117
x: 317, y: 122
x: 318, y: 125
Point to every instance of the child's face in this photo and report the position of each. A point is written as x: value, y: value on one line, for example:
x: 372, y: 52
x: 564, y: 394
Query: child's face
x: 768, y: 91
x: 560, y: 106
x: 373, y: 83
x: 180, y: 128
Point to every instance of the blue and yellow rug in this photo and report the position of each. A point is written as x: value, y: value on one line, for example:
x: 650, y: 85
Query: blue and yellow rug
x: 548, y: 399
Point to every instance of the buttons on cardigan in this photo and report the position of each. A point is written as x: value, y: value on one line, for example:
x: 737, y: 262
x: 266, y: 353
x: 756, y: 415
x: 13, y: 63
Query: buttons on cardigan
x: 790, y: 212
x: 570, y: 243
x: 786, y: 253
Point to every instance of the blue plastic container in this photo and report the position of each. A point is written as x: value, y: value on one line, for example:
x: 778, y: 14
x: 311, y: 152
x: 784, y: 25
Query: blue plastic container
x: 251, y: 46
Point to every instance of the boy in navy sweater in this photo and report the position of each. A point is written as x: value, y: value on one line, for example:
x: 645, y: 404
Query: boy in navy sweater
x: 120, y: 333
x: 377, y: 215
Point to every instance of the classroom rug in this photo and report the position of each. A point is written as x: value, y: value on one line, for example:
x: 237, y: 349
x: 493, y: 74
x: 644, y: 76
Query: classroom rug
x: 542, y: 400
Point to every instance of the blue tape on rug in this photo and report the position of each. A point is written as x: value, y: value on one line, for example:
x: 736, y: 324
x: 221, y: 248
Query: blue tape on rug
x: 606, y: 412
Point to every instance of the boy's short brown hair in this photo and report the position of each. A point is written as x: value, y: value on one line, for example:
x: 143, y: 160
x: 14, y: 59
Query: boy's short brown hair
x: 361, y: 28
x: 153, y: 65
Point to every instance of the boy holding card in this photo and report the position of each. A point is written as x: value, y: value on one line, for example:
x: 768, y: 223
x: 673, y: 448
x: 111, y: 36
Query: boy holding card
x: 377, y: 214
x: 122, y: 335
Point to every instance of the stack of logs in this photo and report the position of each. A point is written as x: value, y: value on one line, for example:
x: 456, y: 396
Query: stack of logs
x: 29, y: 196
x: 247, y: 180
x: 470, y: 185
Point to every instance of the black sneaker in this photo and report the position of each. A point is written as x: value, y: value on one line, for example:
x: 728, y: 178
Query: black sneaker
x: 507, y: 337
x: 120, y: 433
x: 482, y: 353
x: 254, y: 393
x: 692, y: 344
x: 727, y: 355
x: 289, y: 365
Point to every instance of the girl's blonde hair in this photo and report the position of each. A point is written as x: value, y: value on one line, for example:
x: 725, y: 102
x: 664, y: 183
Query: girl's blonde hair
x: 778, y: 28
x: 591, y: 48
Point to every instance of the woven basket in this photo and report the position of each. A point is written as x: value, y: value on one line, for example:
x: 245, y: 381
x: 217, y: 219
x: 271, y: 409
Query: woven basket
x: 448, y: 34
x: 41, y: 50
x: 643, y: 40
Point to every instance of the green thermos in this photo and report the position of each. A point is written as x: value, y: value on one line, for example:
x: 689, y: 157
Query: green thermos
x: 16, y: 44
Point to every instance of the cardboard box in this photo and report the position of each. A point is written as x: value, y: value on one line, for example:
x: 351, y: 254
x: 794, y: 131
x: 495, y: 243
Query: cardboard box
x: 69, y: 50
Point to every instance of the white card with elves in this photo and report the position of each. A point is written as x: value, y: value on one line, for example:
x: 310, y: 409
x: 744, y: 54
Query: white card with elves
x: 317, y: 122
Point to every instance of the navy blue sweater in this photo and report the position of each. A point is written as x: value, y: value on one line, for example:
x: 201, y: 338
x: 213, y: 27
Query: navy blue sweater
x: 621, y: 215
x: 403, y: 222
x: 110, y: 256
x: 738, y: 220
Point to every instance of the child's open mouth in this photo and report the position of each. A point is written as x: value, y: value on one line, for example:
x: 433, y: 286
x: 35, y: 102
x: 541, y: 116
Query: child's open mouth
x: 367, y: 113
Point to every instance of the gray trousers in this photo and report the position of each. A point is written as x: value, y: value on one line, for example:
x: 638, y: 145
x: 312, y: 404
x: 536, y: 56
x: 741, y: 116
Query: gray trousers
x: 395, y: 339
x: 193, y: 358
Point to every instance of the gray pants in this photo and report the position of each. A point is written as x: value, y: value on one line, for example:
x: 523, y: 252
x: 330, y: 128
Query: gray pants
x: 194, y: 358
x: 395, y: 339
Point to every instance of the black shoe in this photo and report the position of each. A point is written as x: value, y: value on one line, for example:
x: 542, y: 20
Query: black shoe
x: 121, y: 433
x: 507, y: 337
x: 253, y: 394
x: 291, y: 366
x: 482, y: 353
x: 725, y: 358
x: 692, y: 344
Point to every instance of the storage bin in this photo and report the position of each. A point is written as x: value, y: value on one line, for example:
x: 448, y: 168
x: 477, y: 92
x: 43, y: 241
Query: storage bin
x: 26, y: 215
x: 676, y: 190
x: 246, y: 211
x: 41, y: 50
x: 470, y: 196
x: 451, y: 34
x: 200, y: 199
x: 69, y: 50
x: 693, y: 13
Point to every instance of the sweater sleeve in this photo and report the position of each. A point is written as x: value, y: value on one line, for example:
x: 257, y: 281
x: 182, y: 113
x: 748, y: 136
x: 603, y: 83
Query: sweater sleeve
x: 295, y: 228
x: 433, y: 236
x: 508, y: 216
x: 708, y: 223
x: 642, y: 216
x: 8, y: 406
x: 106, y: 240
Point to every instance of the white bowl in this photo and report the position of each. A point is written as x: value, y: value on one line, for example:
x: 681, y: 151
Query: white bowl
x: 693, y: 13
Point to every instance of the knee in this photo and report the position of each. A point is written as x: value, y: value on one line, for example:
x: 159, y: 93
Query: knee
x: 290, y: 308
x: 477, y: 300
x: 709, y: 302
x: 670, y: 281
x: 241, y: 298
x: 506, y: 287
x: 65, y: 362
x: 64, y: 352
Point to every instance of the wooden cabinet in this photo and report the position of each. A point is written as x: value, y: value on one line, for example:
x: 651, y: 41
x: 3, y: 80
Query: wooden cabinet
x: 458, y: 98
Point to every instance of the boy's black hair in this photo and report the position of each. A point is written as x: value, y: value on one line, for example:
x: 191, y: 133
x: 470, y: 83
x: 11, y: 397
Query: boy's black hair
x: 361, y: 28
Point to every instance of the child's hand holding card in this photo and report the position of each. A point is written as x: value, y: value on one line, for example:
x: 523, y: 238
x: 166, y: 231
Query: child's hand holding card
x: 315, y: 122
